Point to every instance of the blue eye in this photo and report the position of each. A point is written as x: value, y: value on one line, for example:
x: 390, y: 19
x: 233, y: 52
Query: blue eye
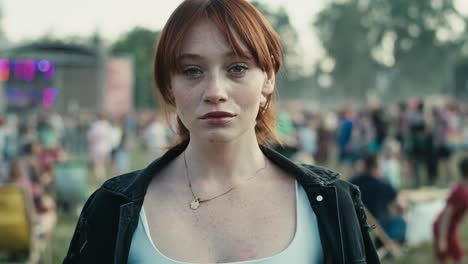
x: 238, y: 69
x: 192, y: 72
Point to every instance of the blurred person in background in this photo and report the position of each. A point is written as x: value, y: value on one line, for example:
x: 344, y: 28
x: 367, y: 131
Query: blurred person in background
x: 57, y: 124
x: 2, y: 138
x: 155, y: 135
x: 465, y: 136
x: 40, y: 177
x: 115, y: 137
x: 84, y: 120
x: 381, y: 199
x: 71, y: 137
x: 29, y: 128
x: 326, y: 133
x: 464, y: 125
x: 49, y: 155
x: 44, y: 214
x: 49, y: 129
x: 447, y: 243
x: 287, y: 132
x: 362, y: 136
x: 3, y: 163
x: 121, y: 156
x: 18, y: 175
x: 99, y: 146
x: 391, y: 162
x: 130, y: 129
x: 420, y: 147
x: 10, y: 149
x: 307, y: 137
x: 31, y: 153
x: 380, y: 125
x: 221, y: 195
x: 345, y: 132
x: 443, y: 148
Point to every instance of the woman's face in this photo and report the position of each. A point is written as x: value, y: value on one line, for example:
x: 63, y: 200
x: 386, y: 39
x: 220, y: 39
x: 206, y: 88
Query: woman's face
x: 217, y: 93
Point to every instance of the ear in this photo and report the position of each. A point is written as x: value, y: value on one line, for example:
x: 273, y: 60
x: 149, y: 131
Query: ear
x: 268, y: 87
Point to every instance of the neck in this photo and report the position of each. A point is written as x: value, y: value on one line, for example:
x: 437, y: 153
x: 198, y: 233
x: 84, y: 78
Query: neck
x: 221, y: 164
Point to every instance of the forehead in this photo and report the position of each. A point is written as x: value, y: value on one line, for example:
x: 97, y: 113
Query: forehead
x: 205, y: 38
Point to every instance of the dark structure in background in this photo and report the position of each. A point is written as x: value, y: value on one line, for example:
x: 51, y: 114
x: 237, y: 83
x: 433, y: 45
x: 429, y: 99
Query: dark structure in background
x: 76, y: 81
x: 64, y: 77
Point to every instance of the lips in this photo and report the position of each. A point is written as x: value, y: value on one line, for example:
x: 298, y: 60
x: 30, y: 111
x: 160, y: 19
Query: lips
x: 217, y: 114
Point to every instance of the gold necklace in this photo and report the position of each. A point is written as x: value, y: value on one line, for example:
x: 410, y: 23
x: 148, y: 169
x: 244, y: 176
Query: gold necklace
x: 195, y: 203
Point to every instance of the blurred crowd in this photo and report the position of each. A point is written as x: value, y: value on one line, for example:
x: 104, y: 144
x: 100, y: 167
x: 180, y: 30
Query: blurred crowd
x: 382, y: 148
x: 103, y: 141
x: 414, y: 139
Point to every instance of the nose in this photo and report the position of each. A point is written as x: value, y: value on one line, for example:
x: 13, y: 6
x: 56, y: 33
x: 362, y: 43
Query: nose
x: 215, y: 91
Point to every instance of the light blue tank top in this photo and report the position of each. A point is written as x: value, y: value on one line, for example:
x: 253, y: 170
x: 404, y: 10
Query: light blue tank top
x: 304, y: 248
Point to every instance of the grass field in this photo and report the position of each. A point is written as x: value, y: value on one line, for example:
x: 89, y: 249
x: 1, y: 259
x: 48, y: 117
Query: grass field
x: 63, y: 232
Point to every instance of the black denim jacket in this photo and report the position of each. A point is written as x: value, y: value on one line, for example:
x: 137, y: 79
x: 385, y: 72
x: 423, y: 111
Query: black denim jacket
x: 110, y: 216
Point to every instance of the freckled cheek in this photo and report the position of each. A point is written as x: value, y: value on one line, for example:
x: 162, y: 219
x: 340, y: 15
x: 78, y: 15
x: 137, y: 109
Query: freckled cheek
x: 250, y: 102
x: 187, y: 102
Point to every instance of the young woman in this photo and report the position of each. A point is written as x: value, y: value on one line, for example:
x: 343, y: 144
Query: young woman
x: 222, y: 195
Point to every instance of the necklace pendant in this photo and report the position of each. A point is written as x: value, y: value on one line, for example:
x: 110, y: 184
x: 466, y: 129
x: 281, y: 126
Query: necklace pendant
x: 195, y: 204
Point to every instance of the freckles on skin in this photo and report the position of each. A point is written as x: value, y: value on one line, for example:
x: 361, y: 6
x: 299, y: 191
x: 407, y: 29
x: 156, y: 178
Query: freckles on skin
x: 248, y: 252
x: 209, y: 70
x: 182, y: 101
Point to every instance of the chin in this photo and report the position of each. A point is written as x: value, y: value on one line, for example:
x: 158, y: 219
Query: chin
x: 218, y: 137
x: 223, y: 135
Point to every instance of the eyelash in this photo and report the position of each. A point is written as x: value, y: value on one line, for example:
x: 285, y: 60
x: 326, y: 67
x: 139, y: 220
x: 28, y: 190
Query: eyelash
x: 189, y: 71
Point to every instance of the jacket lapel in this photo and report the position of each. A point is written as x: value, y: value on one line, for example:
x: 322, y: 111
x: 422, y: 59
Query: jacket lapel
x: 324, y: 202
x: 128, y: 222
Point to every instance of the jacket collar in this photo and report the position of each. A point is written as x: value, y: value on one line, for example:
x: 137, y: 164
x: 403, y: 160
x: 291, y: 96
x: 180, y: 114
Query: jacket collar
x: 135, y: 188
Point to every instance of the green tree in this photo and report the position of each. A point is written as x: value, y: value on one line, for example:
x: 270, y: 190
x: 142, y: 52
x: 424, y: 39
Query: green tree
x: 345, y: 41
x: 280, y: 21
x: 417, y: 41
x: 139, y: 44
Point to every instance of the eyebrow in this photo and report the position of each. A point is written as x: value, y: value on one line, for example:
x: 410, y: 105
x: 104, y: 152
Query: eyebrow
x: 230, y: 54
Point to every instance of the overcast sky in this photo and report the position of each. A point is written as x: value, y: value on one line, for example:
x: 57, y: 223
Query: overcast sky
x: 29, y: 19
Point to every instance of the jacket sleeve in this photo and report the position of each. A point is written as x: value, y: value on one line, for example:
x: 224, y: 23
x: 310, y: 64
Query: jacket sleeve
x: 371, y: 252
x: 79, y: 240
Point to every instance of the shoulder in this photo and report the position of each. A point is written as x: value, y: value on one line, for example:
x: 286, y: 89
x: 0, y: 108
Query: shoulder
x: 119, y: 184
x: 109, y: 196
x: 327, y: 177
x: 321, y: 174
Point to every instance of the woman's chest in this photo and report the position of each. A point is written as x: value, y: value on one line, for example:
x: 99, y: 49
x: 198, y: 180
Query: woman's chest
x: 239, y: 227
